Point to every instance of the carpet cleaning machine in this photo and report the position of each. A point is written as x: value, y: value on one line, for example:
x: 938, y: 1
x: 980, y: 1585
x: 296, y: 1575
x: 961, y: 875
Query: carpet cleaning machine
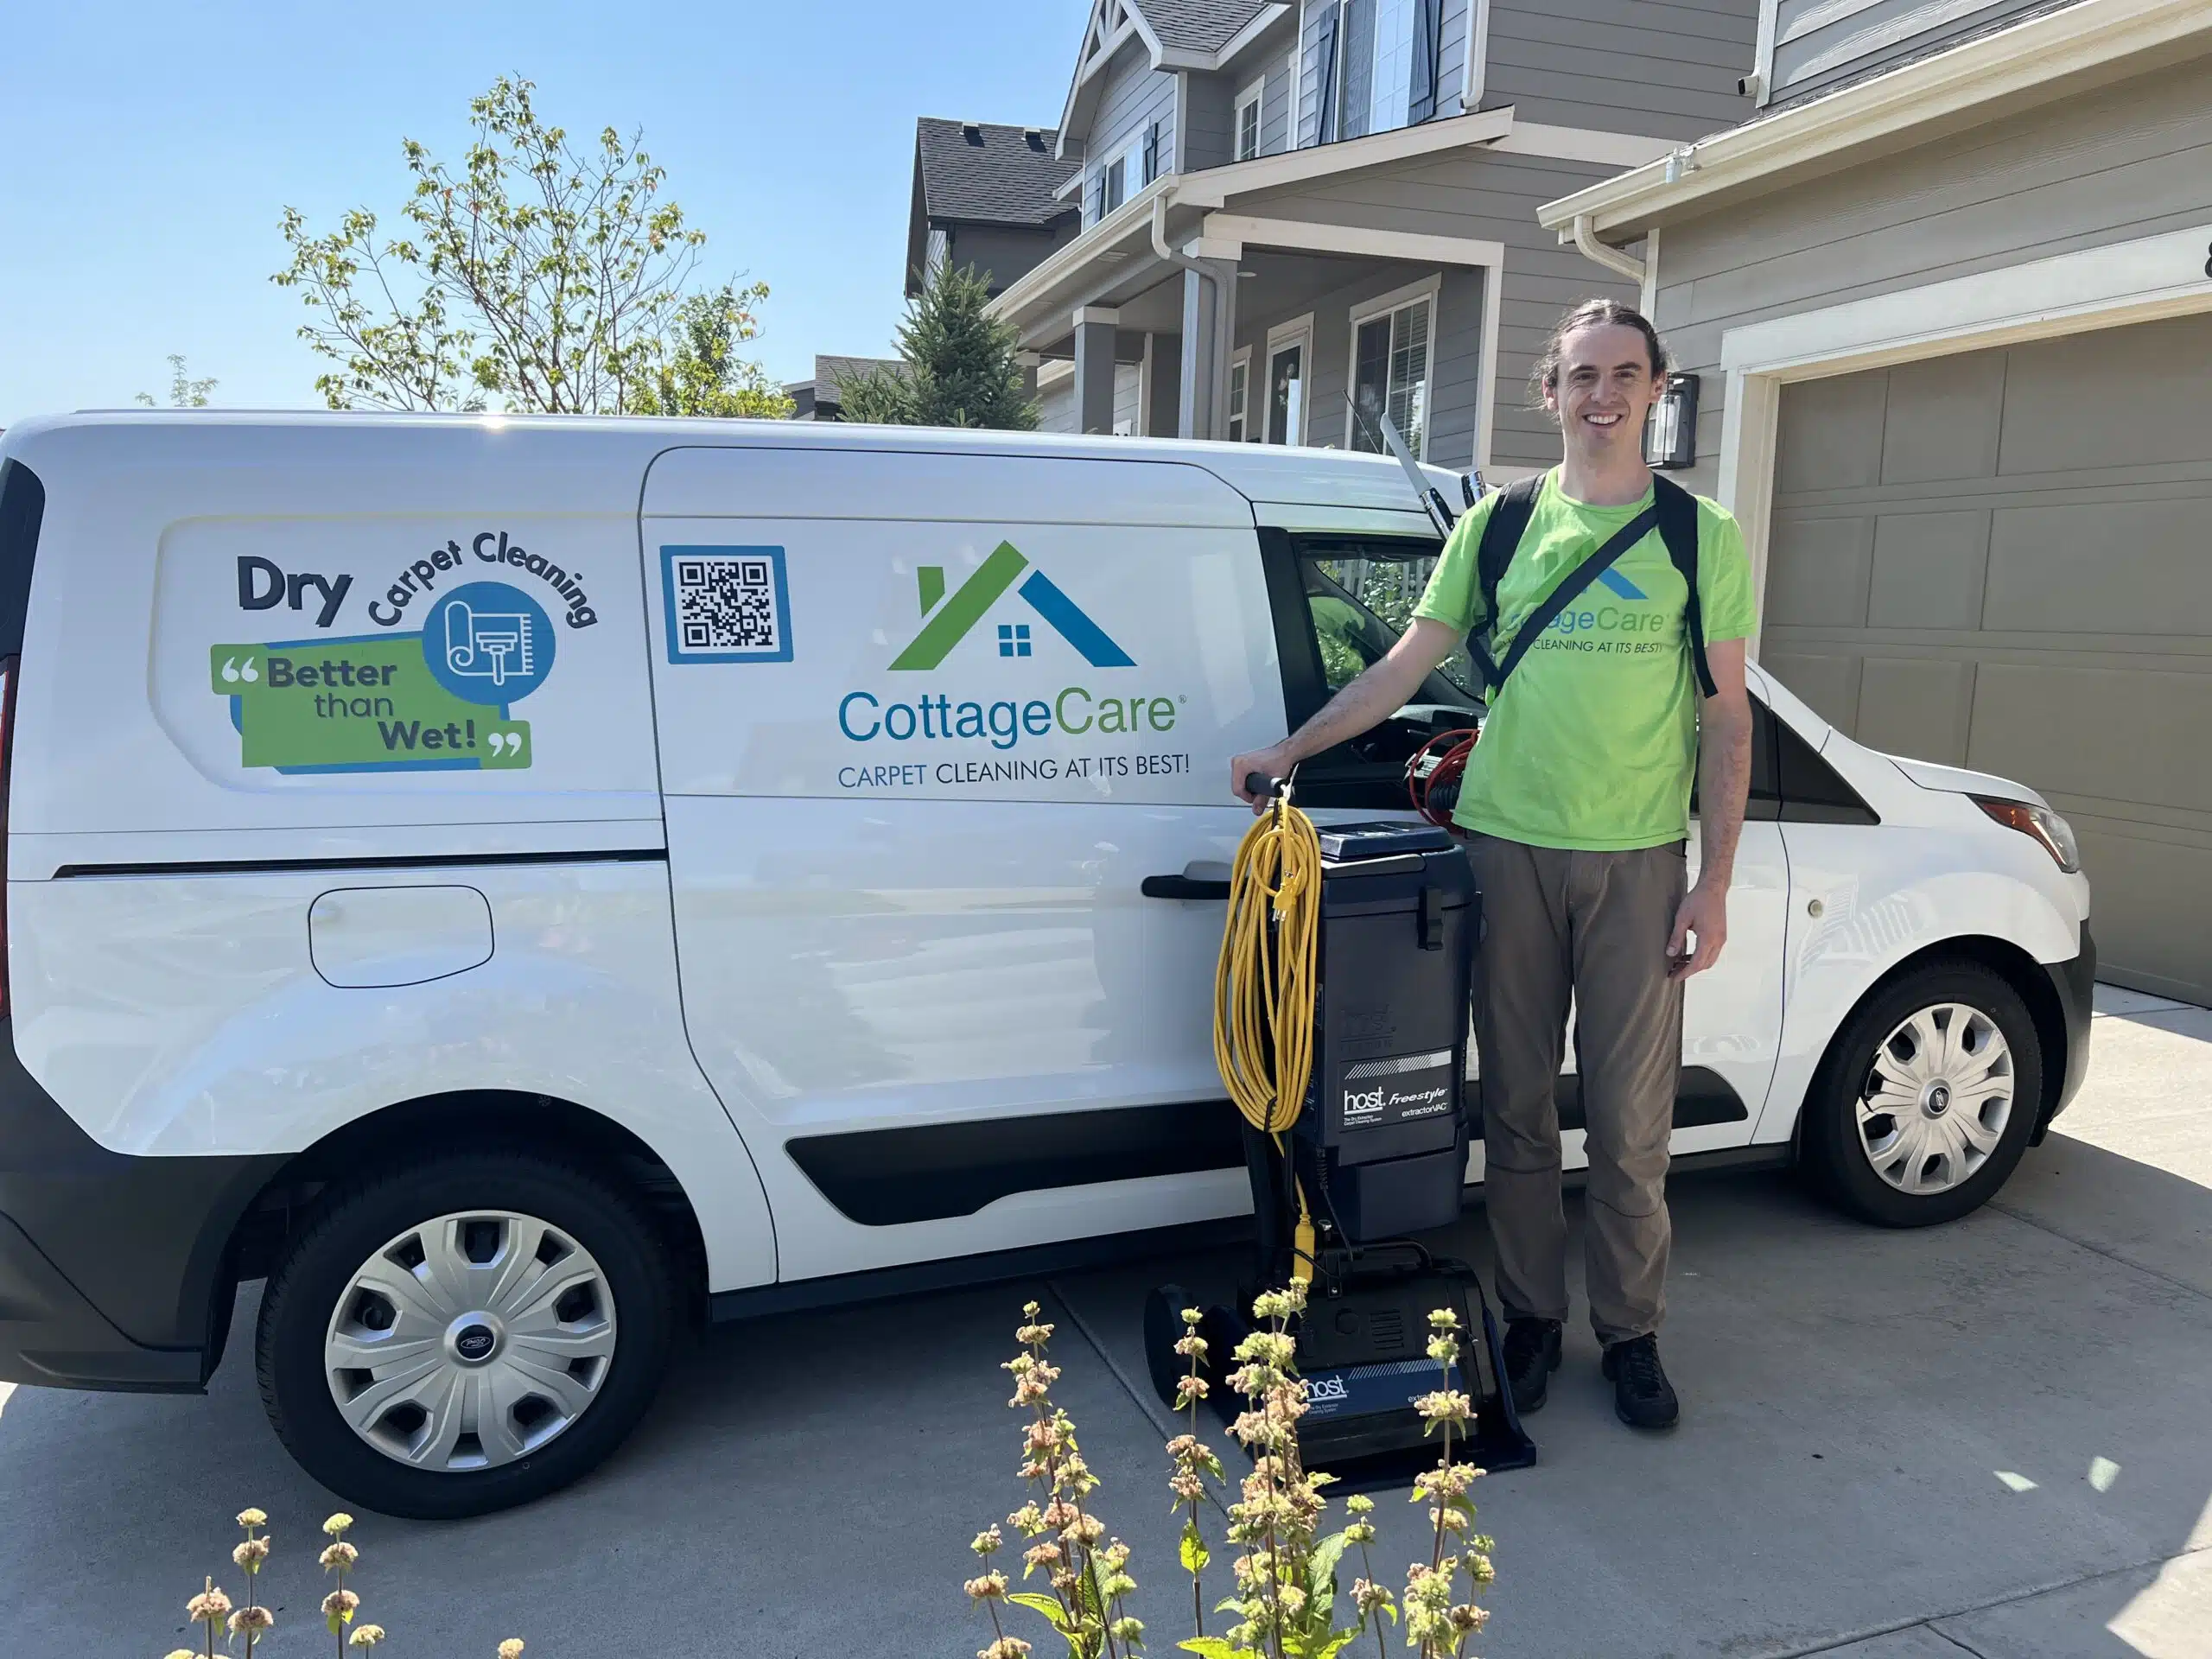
x: 1340, y: 1028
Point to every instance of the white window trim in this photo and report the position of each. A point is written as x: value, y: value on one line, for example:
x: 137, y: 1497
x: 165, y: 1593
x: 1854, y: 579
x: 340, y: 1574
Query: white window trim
x: 1429, y: 288
x: 1297, y: 331
x: 1241, y: 359
x: 2143, y: 280
x: 1253, y: 97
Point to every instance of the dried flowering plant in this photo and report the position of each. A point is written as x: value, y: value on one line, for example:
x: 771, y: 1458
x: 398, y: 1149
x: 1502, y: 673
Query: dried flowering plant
x: 1439, y: 1623
x: 253, y: 1620
x: 1087, y: 1571
x: 1286, y: 1571
x: 1194, y: 1461
x: 212, y: 1611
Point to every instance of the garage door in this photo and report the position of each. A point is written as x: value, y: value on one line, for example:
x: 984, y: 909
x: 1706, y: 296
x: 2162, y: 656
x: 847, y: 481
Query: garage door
x: 2004, y: 561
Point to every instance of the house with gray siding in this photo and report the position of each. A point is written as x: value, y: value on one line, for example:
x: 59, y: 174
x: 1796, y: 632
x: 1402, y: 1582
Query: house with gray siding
x: 1290, y: 205
x: 1948, y: 300
x: 987, y: 198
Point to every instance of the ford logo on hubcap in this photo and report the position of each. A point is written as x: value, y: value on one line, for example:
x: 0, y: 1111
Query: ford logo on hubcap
x: 1939, y: 1099
x: 473, y: 1342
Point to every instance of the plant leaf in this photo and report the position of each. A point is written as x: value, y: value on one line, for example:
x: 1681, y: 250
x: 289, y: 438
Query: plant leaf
x: 1048, y: 1605
x: 1210, y: 1647
x: 1194, y: 1548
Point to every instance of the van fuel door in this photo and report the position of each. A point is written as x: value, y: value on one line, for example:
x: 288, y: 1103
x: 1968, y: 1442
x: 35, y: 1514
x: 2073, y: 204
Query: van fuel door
x: 384, y: 937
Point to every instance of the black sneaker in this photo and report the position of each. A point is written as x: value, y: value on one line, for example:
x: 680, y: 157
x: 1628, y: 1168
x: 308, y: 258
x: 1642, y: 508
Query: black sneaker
x: 1642, y: 1398
x: 1531, y: 1355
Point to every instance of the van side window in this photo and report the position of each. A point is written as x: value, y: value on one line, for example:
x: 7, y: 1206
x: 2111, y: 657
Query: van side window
x: 1340, y: 604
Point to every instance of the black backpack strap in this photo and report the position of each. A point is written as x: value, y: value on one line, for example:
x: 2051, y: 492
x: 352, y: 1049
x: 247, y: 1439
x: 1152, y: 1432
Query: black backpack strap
x: 1568, y: 591
x: 1502, y: 533
x: 1678, y: 528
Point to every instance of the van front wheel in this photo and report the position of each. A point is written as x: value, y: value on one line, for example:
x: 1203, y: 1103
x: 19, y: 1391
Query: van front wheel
x: 1927, y: 1099
x: 457, y: 1337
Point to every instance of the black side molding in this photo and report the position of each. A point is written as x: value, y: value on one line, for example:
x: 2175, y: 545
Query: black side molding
x: 883, y: 1177
x: 1075, y: 1255
x: 427, y: 861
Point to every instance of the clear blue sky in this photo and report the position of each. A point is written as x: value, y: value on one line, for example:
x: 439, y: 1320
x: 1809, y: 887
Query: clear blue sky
x: 148, y: 151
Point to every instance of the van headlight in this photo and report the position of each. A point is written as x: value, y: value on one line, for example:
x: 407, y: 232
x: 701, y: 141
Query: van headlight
x: 2039, y: 822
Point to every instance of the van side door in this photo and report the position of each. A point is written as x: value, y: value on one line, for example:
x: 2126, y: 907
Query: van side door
x: 926, y: 721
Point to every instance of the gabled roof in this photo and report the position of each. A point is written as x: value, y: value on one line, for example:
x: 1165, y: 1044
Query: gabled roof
x: 975, y: 172
x: 1198, y: 25
x: 1172, y: 34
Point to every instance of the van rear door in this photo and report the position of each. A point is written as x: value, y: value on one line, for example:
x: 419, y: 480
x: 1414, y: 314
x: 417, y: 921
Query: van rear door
x: 926, y: 722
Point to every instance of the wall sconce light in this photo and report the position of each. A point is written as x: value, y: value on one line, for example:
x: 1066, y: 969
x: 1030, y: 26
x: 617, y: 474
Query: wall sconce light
x: 1670, y: 430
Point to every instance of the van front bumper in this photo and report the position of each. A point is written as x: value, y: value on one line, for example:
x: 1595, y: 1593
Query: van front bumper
x: 2074, y: 982
x: 115, y: 1271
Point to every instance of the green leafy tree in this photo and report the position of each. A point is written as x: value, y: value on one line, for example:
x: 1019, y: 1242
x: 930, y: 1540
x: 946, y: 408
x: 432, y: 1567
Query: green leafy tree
x: 539, y: 276
x: 961, y: 364
x: 185, y: 392
x: 701, y: 372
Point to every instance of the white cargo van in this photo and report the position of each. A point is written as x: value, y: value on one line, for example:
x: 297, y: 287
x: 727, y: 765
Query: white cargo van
x: 518, y: 886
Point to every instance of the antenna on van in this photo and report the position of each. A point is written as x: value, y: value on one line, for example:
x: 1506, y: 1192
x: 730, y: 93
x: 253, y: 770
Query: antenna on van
x: 1431, y: 499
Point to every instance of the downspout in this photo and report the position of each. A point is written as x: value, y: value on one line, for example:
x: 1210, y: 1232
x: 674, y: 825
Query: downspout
x: 1159, y: 242
x: 1586, y: 241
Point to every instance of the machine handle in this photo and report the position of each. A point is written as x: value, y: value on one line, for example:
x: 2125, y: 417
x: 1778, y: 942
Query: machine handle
x: 1259, y: 784
x: 1182, y: 887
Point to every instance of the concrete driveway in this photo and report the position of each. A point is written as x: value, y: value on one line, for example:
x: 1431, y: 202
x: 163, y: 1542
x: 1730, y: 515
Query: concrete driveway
x: 1993, y: 1439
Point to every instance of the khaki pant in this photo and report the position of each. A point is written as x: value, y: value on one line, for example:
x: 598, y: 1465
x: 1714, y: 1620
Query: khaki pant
x: 1593, y: 925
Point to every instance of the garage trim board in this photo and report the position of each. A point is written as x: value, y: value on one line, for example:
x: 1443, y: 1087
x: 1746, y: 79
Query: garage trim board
x: 2143, y: 280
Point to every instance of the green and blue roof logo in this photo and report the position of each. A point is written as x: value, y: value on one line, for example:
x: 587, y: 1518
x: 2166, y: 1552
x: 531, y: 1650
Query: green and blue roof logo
x: 1620, y: 584
x: 949, y: 619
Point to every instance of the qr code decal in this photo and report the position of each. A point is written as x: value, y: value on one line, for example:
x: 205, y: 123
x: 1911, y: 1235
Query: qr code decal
x: 727, y: 604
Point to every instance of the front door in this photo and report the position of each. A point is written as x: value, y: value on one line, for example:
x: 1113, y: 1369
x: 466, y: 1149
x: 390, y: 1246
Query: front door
x: 1287, y: 351
x: 927, y: 723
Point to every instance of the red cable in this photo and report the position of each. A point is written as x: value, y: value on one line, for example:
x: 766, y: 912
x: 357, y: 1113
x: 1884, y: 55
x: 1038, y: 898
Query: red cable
x: 1458, y: 744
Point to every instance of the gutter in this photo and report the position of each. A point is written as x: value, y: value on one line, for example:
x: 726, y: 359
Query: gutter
x: 1584, y: 237
x: 2028, y: 56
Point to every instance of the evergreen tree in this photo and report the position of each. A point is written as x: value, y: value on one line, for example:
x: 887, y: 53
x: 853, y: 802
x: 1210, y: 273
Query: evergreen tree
x: 960, y: 364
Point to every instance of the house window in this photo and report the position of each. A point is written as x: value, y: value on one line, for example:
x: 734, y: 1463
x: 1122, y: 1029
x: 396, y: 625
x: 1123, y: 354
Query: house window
x: 1240, y: 376
x: 1116, y: 184
x: 1149, y: 157
x: 1390, y: 370
x: 1097, y: 193
x: 1376, y: 65
x: 1248, y: 106
x: 1288, y: 350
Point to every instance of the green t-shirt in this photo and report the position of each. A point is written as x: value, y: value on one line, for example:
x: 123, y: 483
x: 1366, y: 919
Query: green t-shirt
x: 1592, y: 744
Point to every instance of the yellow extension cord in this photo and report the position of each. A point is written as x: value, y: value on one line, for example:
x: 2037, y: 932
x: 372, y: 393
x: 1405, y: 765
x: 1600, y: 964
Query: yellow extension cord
x: 1264, y: 984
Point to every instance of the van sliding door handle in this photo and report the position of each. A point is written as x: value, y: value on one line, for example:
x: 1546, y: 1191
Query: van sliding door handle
x: 1182, y: 887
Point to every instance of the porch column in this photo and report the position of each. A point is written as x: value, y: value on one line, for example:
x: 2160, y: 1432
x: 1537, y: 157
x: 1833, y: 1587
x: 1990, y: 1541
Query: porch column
x: 1209, y: 341
x: 1165, y: 386
x: 1094, y: 367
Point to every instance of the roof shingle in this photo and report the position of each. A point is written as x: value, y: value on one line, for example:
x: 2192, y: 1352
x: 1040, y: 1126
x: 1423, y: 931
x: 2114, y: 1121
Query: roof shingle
x: 1000, y: 176
x: 1198, y: 25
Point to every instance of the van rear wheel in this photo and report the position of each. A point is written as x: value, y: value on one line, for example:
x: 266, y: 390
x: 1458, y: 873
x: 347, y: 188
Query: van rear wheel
x: 1927, y: 1099
x: 456, y: 1337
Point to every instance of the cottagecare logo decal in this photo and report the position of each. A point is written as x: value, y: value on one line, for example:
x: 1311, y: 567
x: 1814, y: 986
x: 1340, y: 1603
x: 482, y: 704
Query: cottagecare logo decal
x: 948, y: 621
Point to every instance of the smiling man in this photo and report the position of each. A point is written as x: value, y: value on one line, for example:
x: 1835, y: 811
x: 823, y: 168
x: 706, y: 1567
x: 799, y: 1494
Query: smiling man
x: 1609, y: 609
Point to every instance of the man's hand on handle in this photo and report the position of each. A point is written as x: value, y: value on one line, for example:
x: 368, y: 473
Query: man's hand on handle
x: 1365, y: 703
x: 1275, y: 761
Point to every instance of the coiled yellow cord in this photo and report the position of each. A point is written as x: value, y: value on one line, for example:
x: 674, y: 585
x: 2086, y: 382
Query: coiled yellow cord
x: 1264, y: 983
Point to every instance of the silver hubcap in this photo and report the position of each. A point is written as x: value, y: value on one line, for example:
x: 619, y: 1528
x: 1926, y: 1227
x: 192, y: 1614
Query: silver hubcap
x: 470, y: 1340
x: 1937, y: 1100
